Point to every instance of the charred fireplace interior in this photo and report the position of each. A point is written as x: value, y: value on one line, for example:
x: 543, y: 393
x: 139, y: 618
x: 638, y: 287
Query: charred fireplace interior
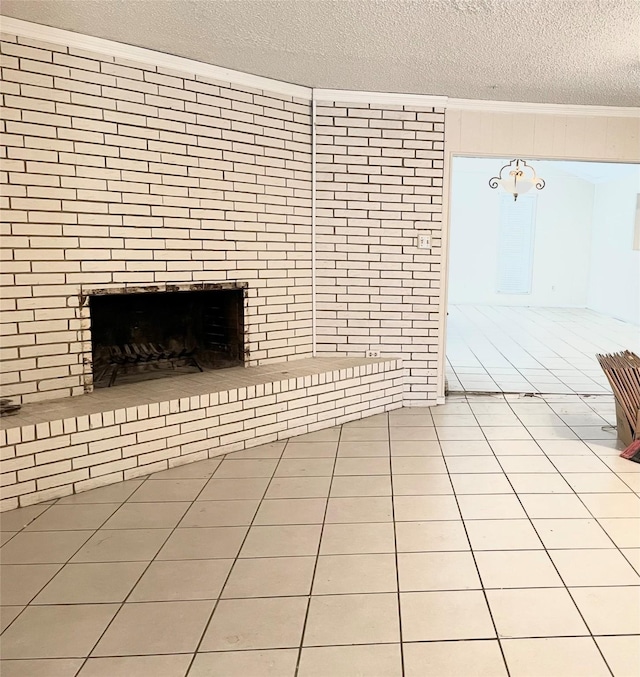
x: 138, y: 336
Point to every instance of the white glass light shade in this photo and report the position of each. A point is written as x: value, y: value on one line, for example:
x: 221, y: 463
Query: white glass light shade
x: 515, y: 185
x: 521, y: 179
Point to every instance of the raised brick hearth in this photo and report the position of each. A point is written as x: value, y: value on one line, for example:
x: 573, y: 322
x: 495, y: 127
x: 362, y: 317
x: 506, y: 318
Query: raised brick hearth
x: 57, y: 448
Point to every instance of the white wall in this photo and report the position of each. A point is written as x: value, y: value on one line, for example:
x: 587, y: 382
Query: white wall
x: 561, y: 242
x: 614, y: 279
x: 560, y: 136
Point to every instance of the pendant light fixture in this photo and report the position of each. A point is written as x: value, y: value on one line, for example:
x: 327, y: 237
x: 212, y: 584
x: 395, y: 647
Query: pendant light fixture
x: 517, y: 178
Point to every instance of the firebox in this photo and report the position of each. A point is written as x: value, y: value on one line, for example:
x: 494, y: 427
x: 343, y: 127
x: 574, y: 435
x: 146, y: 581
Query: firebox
x: 138, y: 335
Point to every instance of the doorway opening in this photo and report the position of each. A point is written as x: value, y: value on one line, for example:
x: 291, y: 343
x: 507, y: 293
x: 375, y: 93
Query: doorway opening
x: 538, y: 286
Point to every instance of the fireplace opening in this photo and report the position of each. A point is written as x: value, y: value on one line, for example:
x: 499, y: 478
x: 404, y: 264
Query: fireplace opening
x: 139, y: 336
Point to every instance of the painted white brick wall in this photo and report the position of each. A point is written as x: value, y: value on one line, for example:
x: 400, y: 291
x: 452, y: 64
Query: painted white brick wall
x: 117, y: 173
x: 123, y: 174
x: 380, y: 183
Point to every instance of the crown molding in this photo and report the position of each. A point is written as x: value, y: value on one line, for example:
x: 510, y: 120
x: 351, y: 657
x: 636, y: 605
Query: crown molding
x: 56, y: 36
x: 389, y: 98
x: 480, y: 105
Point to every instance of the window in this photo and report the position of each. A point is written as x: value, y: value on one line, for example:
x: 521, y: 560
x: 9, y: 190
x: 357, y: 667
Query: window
x: 515, y: 244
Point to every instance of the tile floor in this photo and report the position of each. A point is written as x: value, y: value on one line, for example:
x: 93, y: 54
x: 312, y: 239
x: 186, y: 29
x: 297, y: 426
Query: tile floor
x: 493, y: 535
x: 539, y: 350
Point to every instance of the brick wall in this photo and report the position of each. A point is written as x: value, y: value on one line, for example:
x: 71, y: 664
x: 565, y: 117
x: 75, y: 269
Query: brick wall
x: 380, y: 176
x: 117, y: 173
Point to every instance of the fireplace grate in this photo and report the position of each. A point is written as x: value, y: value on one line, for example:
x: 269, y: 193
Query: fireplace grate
x: 136, y: 354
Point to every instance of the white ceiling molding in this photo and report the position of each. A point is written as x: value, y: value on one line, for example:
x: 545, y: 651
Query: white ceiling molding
x: 26, y: 29
x: 57, y: 36
x: 389, y: 98
x: 541, y: 108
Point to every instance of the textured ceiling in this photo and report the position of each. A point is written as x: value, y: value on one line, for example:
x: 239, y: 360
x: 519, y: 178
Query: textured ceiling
x: 547, y: 51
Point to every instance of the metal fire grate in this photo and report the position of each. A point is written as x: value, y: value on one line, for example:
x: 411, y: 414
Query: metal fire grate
x: 137, y: 354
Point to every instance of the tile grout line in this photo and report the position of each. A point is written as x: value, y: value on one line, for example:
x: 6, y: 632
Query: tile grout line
x: 237, y: 556
x: 577, y: 495
x: 565, y: 586
x: 471, y: 550
x: 64, y: 564
x: 317, y: 559
x: 499, y: 351
x: 146, y: 568
x: 395, y: 543
x: 486, y: 332
x: 551, y: 372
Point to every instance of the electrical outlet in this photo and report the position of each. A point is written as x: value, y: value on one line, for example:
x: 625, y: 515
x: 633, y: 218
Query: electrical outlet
x: 424, y: 241
x: 372, y: 353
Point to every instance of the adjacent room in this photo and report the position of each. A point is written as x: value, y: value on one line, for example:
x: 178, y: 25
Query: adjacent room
x: 539, y: 285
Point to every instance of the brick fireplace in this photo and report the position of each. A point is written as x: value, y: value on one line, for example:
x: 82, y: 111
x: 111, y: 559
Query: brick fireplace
x: 124, y: 174
x: 131, y: 184
x: 121, y: 177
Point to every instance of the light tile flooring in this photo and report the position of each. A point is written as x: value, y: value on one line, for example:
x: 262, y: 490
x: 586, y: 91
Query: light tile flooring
x: 489, y: 536
x: 533, y: 350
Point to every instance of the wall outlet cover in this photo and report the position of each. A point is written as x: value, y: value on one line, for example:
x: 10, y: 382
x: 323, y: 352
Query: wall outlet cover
x: 424, y: 241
